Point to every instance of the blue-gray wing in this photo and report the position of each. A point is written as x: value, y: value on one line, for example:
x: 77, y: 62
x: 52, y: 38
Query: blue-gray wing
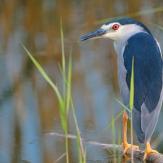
x: 147, y: 69
x: 148, y: 80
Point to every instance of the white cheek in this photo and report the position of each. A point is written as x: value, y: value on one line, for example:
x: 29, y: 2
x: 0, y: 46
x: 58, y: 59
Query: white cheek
x: 112, y: 35
x: 105, y: 27
x: 124, y: 32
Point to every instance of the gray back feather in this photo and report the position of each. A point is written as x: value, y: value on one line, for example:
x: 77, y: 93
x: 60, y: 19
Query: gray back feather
x: 137, y: 125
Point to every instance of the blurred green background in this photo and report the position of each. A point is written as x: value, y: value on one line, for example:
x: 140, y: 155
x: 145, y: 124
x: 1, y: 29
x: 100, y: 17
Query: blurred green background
x: 30, y: 126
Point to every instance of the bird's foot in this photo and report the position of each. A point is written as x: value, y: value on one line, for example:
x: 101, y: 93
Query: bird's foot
x: 148, y: 151
x: 129, y: 147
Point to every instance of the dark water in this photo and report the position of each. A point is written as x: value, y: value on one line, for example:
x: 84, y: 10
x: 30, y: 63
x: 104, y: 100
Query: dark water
x: 29, y: 114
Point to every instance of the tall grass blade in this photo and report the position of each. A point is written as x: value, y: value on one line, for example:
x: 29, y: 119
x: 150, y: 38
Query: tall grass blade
x: 115, y: 118
x: 69, y: 84
x: 63, y: 51
x: 64, y: 98
x: 62, y: 101
x: 114, y: 138
x: 123, y: 106
x: 131, y: 103
x: 81, y: 150
x: 44, y: 74
x: 66, y: 91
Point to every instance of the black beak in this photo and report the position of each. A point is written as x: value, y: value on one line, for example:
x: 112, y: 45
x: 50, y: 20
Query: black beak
x: 94, y: 34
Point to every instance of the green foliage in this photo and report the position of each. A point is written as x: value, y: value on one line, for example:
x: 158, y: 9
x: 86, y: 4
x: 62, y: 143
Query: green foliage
x: 64, y: 97
x: 80, y: 147
x: 131, y: 103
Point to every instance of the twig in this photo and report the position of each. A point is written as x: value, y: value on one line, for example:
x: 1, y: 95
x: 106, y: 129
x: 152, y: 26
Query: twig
x: 70, y: 136
x: 60, y: 157
x: 137, y: 154
x: 116, y: 151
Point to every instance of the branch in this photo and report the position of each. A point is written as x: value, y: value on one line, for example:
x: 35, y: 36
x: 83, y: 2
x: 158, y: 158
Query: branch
x: 115, y: 151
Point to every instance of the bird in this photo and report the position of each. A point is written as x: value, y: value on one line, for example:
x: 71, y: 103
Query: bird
x: 133, y: 41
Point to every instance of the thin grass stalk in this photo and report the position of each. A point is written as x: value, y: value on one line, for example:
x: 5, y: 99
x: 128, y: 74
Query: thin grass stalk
x: 64, y: 103
x: 131, y: 132
x: 81, y: 151
x: 119, y: 142
x: 114, y: 139
x: 44, y: 74
x: 115, y: 118
x: 131, y: 104
x: 67, y: 77
x: 67, y: 147
x: 68, y: 84
x: 62, y: 47
x: 66, y: 89
x: 61, y: 100
x: 63, y: 113
x: 123, y: 106
x: 63, y: 66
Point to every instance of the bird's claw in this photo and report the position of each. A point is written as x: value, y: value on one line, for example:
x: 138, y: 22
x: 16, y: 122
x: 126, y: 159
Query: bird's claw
x: 127, y: 147
x: 149, y: 152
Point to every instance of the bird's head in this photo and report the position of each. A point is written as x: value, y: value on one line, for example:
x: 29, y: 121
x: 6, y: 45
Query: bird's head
x: 117, y: 29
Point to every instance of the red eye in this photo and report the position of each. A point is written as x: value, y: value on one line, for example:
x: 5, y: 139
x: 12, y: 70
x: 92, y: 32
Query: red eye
x: 115, y: 27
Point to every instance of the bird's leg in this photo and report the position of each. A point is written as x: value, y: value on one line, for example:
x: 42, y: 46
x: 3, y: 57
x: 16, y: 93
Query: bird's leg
x: 124, y: 132
x: 148, y: 150
x: 125, y: 144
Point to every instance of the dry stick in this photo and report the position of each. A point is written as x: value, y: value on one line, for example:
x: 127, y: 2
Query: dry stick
x: 137, y: 154
x: 118, y: 149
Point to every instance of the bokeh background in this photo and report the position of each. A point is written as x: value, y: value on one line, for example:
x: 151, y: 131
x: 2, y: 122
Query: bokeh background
x: 30, y: 128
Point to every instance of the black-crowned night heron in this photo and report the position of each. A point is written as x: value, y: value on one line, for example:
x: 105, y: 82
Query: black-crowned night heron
x: 133, y: 39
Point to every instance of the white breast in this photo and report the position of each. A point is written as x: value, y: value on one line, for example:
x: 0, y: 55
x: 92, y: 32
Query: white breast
x: 124, y: 91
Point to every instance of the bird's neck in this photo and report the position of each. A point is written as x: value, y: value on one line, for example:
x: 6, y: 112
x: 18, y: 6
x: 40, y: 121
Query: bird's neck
x: 120, y: 44
x: 127, y: 32
x: 119, y: 47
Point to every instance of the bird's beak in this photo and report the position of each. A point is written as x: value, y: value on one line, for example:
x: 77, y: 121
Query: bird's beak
x: 91, y: 35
